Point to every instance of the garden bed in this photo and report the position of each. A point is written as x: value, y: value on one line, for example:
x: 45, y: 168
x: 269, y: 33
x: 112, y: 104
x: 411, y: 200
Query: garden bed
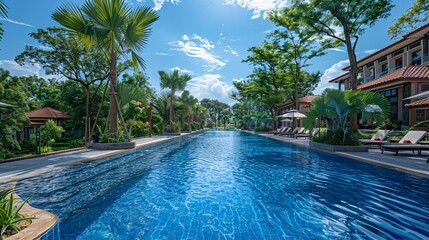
x: 42, y: 223
x: 338, y: 148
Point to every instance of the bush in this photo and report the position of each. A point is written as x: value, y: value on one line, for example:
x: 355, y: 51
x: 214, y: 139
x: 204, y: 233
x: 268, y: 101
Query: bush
x: 174, y: 128
x: 74, y: 143
x: 186, y: 127
x: 335, y: 137
x: 263, y: 129
x: 113, y: 138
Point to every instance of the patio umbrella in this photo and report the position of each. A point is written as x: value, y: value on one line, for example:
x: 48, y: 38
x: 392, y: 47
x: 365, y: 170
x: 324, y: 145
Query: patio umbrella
x: 2, y: 104
x: 420, y: 95
x: 293, y: 114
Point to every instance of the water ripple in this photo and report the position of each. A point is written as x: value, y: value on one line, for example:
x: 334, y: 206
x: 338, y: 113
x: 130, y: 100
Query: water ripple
x: 230, y: 185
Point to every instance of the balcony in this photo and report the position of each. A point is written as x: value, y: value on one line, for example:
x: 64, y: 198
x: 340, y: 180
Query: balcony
x: 425, y: 58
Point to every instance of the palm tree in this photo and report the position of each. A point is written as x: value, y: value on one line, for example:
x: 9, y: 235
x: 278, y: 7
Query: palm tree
x: 116, y: 28
x: 337, y: 107
x: 174, y: 82
x: 188, y: 102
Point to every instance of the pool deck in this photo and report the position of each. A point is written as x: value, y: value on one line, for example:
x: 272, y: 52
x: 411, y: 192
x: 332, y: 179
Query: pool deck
x: 16, y: 170
x: 406, y: 161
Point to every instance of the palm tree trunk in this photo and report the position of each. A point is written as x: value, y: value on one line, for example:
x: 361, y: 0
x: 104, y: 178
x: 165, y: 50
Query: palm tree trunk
x: 87, y: 127
x: 113, y: 111
x: 170, y: 118
x: 150, y: 120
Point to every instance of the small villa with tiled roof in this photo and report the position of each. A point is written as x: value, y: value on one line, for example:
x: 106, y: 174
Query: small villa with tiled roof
x: 304, y: 104
x: 398, y: 71
x: 40, y: 116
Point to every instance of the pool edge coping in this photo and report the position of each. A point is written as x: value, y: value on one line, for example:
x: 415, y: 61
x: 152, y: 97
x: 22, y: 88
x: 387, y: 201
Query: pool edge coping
x: 354, y: 157
x: 45, y: 169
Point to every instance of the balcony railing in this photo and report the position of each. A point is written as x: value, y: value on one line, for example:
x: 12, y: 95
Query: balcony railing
x: 425, y: 58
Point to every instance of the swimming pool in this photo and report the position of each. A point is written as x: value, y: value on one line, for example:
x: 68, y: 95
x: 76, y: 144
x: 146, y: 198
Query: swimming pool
x: 231, y: 185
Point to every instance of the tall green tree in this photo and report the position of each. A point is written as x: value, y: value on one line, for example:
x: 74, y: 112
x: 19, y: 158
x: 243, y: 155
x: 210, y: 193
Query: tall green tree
x: 62, y: 54
x: 175, y: 82
x: 338, y: 22
x: 414, y: 16
x: 113, y: 26
x: 12, y: 119
x: 299, y: 46
x: 269, y: 80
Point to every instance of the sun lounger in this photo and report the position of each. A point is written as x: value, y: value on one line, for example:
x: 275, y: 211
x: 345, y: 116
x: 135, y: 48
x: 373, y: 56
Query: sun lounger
x: 307, y: 135
x: 280, y: 130
x: 284, y: 130
x: 295, y: 131
x: 377, y: 139
x: 404, y: 147
x: 407, y: 143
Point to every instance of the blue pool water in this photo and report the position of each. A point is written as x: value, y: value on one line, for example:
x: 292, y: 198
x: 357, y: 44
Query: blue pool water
x: 231, y: 185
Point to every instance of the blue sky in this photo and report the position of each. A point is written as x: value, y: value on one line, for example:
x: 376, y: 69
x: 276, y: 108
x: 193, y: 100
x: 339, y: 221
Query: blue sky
x: 205, y: 38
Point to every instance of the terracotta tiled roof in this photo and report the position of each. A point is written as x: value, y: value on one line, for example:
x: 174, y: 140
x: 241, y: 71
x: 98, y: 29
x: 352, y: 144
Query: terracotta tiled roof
x: 47, y: 113
x: 410, y: 72
x: 308, y: 98
x: 418, y: 104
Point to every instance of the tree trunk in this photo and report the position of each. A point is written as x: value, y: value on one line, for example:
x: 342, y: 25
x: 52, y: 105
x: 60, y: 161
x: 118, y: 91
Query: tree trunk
x: 353, y: 72
x: 273, y: 113
x: 297, y: 75
x: 113, y: 111
x: 171, y: 109
x: 87, y: 127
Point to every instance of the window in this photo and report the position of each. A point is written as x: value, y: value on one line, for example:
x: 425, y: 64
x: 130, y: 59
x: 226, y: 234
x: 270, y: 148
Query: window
x: 398, y: 63
x: 371, y: 73
x: 392, y: 96
x: 420, y: 115
x: 416, y: 58
x: 424, y: 88
x: 384, y: 69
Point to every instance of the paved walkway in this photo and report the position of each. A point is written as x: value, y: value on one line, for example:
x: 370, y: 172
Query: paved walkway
x: 13, y: 171
x: 405, y: 161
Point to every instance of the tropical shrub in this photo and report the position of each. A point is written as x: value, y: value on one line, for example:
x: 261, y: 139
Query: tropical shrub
x: 173, y: 128
x: 48, y: 133
x: 113, y: 138
x: 9, y: 212
x: 336, y: 108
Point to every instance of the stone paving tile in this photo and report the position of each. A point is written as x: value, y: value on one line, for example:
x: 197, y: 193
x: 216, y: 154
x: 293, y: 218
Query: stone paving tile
x: 13, y: 171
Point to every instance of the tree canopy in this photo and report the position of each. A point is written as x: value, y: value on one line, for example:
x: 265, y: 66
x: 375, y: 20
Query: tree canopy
x: 414, y: 16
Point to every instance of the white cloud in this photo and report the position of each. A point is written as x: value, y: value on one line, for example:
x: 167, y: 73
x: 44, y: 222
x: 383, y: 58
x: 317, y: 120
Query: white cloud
x: 259, y: 7
x: 185, y: 71
x: 15, y: 22
x: 370, y: 51
x: 26, y: 70
x: 210, y: 86
x: 329, y: 74
x: 229, y: 49
x: 337, y: 49
x: 199, y: 47
x: 160, y: 3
